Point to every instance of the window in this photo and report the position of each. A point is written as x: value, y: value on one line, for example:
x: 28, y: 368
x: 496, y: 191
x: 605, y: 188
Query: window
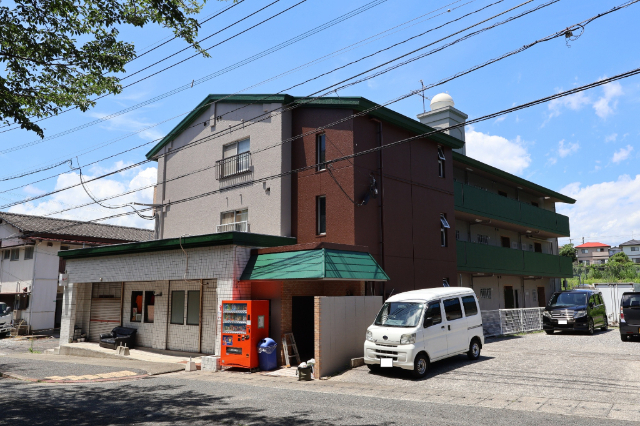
x: 6, y: 254
x: 321, y: 215
x: 538, y: 247
x: 15, y: 254
x: 236, y: 220
x: 445, y: 282
x: 502, y: 194
x: 177, y: 307
x: 320, y: 152
x: 444, y: 225
x: 636, y: 260
x: 485, y: 293
x: 28, y: 253
x: 600, y: 250
x: 136, y: 306
x: 603, y: 261
x: 505, y: 242
x: 193, y: 307
x: 458, y: 235
x: 433, y: 312
x: 452, y: 309
x: 584, y: 251
x: 483, y: 239
x: 236, y: 159
x: 635, y: 248
x: 441, y: 164
x: 470, y: 306
x: 149, y: 306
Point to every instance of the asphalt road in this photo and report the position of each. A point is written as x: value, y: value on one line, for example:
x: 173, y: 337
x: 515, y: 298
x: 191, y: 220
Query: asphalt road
x: 174, y: 400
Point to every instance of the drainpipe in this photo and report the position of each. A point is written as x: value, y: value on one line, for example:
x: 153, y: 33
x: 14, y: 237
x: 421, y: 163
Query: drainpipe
x: 381, y: 198
x: 33, y: 282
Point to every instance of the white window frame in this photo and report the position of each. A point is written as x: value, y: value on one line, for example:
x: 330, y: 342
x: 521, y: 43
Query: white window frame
x: 441, y: 162
x: 635, y: 248
x: 321, y: 159
x: 236, y: 225
x: 17, y: 255
x: 28, y: 252
x: 444, y: 225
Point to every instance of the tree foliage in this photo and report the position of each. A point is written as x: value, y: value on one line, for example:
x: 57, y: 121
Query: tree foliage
x: 619, y: 257
x: 569, y: 250
x: 57, y: 54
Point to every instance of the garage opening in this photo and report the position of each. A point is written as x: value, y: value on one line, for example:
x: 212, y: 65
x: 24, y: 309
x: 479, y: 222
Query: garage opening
x: 302, y: 325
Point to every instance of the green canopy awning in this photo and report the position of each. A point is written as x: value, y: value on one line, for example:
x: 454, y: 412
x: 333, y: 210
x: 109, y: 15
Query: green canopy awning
x: 314, y: 264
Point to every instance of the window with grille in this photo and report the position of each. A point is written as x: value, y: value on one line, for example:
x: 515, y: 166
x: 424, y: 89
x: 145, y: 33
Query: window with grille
x: 15, y: 254
x: 6, y: 254
x: 28, y: 253
x: 235, y: 220
x: 485, y: 293
x: 236, y: 159
x: 483, y: 239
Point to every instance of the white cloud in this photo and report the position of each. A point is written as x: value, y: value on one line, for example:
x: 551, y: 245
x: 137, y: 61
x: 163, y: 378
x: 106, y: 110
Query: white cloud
x: 622, y: 154
x: 511, y: 156
x: 606, y: 104
x: 573, y: 102
x: 611, y: 138
x: 33, y: 190
x: 551, y: 161
x: 568, y: 149
x: 130, y: 124
x: 604, y: 209
x: 100, y: 189
x: 500, y: 119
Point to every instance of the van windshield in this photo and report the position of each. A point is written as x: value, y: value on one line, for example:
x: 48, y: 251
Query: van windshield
x: 568, y: 299
x: 3, y: 308
x: 400, y: 314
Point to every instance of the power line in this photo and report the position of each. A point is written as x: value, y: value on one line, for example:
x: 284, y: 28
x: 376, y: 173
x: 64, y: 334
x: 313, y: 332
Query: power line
x: 201, y: 80
x: 347, y: 48
x: 491, y: 116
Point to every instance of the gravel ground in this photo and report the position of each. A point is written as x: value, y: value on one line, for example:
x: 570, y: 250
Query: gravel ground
x: 175, y: 400
x: 37, y: 369
x: 563, y: 366
x: 13, y: 345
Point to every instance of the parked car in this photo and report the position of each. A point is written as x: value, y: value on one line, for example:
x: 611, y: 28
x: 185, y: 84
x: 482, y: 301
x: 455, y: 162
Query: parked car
x: 630, y: 315
x: 581, y: 310
x: 5, y: 319
x: 418, y: 327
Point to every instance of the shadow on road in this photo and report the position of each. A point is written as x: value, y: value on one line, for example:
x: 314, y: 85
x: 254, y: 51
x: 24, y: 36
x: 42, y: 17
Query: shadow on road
x: 444, y: 366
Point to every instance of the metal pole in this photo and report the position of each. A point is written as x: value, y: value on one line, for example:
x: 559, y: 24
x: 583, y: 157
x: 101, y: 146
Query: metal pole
x: 200, y: 318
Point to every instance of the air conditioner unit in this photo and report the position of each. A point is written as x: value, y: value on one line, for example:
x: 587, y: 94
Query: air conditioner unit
x: 63, y: 280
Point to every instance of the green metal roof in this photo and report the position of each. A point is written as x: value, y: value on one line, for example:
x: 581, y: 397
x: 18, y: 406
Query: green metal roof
x: 314, y: 264
x: 207, y: 240
x: 512, y: 178
x: 355, y: 103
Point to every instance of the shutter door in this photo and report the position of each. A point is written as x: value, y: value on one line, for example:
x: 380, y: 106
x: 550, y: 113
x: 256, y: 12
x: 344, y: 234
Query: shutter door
x: 105, y: 315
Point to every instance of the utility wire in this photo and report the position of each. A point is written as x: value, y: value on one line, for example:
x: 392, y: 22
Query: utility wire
x: 491, y: 116
x: 325, y: 57
x: 201, y: 80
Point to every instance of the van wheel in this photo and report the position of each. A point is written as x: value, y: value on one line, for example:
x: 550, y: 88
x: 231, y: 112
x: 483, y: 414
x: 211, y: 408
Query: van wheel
x: 474, y: 350
x: 591, y: 327
x: 420, y: 366
x: 605, y: 327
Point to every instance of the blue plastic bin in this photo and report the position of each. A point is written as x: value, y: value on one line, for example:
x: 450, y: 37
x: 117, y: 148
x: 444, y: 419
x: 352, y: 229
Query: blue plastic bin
x: 267, y: 356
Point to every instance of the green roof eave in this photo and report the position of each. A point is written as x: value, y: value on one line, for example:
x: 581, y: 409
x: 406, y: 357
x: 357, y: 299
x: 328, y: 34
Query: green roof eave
x: 319, y: 264
x: 207, y: 240
x: 202, y: 106
x: 512, y: 178
x: 356, y: 103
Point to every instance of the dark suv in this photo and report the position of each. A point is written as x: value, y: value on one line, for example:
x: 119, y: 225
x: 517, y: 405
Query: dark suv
x: 630, y: 316
x: 580, y: 310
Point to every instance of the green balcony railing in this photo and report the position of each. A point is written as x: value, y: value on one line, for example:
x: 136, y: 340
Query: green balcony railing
x: 484, y: 203
x: 475, y: 257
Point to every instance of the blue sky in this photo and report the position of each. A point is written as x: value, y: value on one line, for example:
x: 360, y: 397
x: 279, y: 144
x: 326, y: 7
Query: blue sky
x: 584, y: 146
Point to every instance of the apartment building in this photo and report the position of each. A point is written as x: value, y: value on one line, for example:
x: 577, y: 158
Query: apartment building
x: 29, y: 262
x: 632, y: 249
x: 593, y: 253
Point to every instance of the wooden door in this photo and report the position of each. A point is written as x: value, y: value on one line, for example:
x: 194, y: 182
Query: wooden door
x: 542, y: 298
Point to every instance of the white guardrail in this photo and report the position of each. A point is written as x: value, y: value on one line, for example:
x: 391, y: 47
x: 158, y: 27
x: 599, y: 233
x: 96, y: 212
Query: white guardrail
x: 511, y: 321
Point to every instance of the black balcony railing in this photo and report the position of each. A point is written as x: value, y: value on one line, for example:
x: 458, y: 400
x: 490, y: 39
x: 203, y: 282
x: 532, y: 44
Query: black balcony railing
x: 232, y: 166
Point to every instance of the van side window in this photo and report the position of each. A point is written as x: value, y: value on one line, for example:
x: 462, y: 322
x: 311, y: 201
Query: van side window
x: 452, y: 309
x: 470, y: 307
x: 433, y: 312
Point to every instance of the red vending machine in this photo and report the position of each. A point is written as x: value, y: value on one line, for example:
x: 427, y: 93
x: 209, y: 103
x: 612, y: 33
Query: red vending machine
x: 244, y: 324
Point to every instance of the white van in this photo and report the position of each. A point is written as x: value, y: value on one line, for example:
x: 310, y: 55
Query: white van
x: 418, y: 327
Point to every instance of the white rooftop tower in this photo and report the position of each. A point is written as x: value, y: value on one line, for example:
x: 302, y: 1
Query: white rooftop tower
x: 443, y: 114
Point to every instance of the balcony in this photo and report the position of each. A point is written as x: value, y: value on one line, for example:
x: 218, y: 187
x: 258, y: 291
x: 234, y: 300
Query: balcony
x: 233, y: 226
x: 473, y: 257
x: 232, y: 166
x: 471, y: 199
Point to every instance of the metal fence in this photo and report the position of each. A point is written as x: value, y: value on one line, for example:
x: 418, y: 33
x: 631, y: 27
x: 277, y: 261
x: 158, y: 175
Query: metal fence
x: 511, y: 321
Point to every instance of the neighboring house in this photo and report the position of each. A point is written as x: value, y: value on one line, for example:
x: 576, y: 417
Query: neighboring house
x: 632, y: 249
x: 417, y: 215
x: 29, y: 262
x: 593, y: 253
x: 614, y: 250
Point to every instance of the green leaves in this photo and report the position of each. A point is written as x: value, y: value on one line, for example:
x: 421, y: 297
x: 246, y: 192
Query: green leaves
x: 56, y: 54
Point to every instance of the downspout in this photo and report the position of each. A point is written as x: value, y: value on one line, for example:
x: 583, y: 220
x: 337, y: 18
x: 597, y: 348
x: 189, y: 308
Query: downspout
x: 200, y: 319
x: 33, y: 283
x: 381, y: 198
x: 166, y: 329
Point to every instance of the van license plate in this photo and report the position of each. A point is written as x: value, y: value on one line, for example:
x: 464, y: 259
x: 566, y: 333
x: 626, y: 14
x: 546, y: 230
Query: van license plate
x: 562, y: 321
x: 386, y: 362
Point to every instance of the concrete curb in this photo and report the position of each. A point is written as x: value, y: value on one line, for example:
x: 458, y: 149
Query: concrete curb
x: 32, y: 380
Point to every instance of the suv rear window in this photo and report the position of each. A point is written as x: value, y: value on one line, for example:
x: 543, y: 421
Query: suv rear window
x: 470, y: 307
x: 631, y: 300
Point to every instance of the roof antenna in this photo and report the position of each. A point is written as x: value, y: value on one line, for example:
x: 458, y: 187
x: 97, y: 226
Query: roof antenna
x: 424, y: 108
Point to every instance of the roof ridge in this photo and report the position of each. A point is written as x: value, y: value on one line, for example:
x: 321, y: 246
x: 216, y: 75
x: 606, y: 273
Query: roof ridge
x: 73, y: 220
